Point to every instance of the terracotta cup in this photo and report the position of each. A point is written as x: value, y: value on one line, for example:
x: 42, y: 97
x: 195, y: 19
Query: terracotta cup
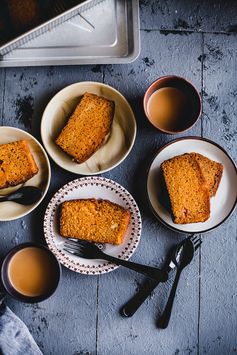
x: 191, y: 93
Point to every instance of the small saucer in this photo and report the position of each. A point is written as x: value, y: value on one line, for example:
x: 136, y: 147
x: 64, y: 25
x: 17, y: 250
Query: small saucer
x: 10, y: 211
x: 222, y: 204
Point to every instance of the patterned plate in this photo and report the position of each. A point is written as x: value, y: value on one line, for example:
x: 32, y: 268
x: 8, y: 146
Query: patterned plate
x: 92, y: 187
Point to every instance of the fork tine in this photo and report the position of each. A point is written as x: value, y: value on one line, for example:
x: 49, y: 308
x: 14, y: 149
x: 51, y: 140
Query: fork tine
x: 73, y: 241
x: 69, y: 241
x: 197, y: 245
x: 194, y: 238
x: 79, y: 241
x: 71, y: 251
x: 196, y: 242
x: 76, y: 250
x: 74, y: 247
x: 75, y: 244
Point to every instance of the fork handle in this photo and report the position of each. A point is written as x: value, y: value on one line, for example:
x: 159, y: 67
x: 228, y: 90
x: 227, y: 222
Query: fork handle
x: 136, y: 301
x: 149, y: 271
x: 164, y: 319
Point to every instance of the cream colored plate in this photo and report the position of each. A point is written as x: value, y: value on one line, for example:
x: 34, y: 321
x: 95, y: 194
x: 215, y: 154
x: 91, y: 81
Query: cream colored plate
x: 10, y: 210
x: 222, y: 204
x: 113, y: 152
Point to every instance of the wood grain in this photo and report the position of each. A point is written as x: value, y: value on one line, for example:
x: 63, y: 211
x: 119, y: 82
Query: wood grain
x: 218, y: 293
x: 140, y: 334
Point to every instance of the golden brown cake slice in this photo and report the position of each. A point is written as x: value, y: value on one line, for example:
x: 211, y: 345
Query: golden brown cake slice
x: 87, y: 127
x: 188, y: 194
x: 211, y: 170
x: 17, y: 164
x: 99, y: 221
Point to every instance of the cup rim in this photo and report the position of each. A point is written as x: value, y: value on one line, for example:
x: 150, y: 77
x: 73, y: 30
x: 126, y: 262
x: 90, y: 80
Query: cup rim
x: 11, y: 290
x: 172, y: 77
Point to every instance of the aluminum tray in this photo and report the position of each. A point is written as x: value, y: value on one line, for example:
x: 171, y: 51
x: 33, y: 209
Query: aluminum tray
x: 106, y: 33
x: 46, y: 26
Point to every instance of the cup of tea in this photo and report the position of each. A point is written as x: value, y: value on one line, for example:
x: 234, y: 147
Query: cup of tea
x: 172, y: 104
x: 30, y: 273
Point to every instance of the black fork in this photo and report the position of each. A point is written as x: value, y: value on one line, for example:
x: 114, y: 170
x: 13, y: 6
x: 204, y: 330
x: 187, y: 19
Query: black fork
x: 89, y: 250
x: 181, y: 261
x: 130, y: 308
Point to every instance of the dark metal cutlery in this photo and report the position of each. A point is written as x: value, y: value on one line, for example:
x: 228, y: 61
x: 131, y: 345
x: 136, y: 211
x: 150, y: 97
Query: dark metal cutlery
x: 26, y: 195
x: 135, y: 302
x: 89, y: 250
x: 181, y: 259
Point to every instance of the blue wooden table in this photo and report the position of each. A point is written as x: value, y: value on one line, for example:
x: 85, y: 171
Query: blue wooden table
x: 194, y: 39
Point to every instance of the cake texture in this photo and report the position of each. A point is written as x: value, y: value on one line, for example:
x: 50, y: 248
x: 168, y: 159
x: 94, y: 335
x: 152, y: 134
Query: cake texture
x: 99, y: 221
x: 211, y: 170
x: 87, y: 127
x: 188, y: 193
x: 17, y: 164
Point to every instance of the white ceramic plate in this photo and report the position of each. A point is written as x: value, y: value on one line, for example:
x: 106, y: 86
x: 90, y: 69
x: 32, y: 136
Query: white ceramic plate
x: 92, y: 187
x: 10, y: 210
x: 119, y: 145
x: 222, y: 205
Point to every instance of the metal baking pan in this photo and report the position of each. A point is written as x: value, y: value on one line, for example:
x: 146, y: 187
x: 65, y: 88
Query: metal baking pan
x: 46, y: 26
x: 105, y: 32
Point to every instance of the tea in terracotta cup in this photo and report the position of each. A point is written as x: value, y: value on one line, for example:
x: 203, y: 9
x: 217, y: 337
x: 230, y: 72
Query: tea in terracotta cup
x: 172, y: 104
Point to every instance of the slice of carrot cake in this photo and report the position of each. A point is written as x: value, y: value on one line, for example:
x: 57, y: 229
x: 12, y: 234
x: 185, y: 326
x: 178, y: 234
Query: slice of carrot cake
x: 87, y: 127
x: 99, y: 221
x: 17, y: 164
x: 188, y: 194
x: 212, y: 172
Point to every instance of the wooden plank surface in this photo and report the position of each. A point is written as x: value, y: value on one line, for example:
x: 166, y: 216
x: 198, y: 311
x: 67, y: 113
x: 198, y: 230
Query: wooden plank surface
x: 207, y: 16
x: 83, y: 316
x: 66, y: 323
x: 139, y: 334
x: 218, y: 311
